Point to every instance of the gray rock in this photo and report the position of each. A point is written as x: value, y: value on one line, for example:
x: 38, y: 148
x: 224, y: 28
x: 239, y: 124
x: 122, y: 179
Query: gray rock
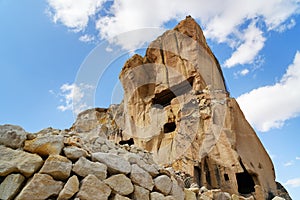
x: 141, y: 177
x: 136, y: 159
x: 10, y: 187
x: 163, y: 184
x: 222, y: 195
x: 74, y: 153
x: 57, y: 166
x: 120, y: 184
x: 114, y: 163
x: 176, y: 190
x: 156, y: 196
x: 41, y: 186
x: 119, y: 197
x: 140, y: 193
x: 84, y: 167
x: 93, y: 189
x: 12, y: 136
x: 170, y: 198
x: 18, y: 161
x: 70, y: 188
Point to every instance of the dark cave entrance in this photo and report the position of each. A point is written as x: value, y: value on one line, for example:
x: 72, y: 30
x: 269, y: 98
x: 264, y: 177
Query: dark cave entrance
x: 226, y: 177
x: 165, y: 97
x: 129, y: 142
x: 197, y: 175
x: 169, y: 127
x: 245, y: 183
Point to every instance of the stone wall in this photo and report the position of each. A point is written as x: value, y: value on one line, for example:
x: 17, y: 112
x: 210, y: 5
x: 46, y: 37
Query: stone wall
x: 55, y: 164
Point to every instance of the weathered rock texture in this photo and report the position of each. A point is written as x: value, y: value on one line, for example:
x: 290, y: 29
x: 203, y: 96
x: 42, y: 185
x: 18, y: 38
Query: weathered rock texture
x: 176, y: 106
x: 93, y: 168
x: 176, y: 135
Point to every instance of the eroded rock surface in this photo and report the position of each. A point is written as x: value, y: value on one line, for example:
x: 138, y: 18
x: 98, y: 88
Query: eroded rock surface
x: 18, y: 161
x: 12, y: 136
x: 41, y: 186
x: 176, y: 106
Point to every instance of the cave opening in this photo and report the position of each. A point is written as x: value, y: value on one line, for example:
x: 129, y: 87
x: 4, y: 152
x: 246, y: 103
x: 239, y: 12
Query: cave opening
x: 129, y: 142
x: 245, y: 183
x: 169, y: 127
x: 197, y: 175
x: 207, y: 174
x: 165, y: 97
x: 226, y: 177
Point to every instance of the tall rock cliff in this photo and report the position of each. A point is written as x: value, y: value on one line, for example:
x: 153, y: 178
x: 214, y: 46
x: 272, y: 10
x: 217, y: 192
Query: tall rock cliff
x: 176, y: 106
x: 176, y: 135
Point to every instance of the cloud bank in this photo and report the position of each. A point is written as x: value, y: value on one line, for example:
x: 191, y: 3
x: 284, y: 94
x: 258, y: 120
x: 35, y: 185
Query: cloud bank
x: 272, y: 105
x: 240, y: 24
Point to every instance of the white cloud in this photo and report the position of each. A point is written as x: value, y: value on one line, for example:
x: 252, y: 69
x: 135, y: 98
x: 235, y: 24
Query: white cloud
x: 86, y: 38
x: 73, y: 96
x: 286, y: 26
x: 243, y: 72
x: 223, y: 21
x: 252, y: 43
x: 297, y: 158
x: 74, y: 14
x: 290, y: 163
x: 293, y: 182
x: 270, y: 106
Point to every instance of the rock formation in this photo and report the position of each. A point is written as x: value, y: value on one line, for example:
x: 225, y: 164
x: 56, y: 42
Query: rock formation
x: 176, y: 135
x: 176, y: 106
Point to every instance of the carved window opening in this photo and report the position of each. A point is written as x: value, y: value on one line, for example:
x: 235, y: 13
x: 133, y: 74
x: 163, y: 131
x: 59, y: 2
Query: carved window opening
x: 197, y: 175
x: 129, y: 142
x: 226, y: 177
x: 165, y: 97
x: 207, y: 174
x: 169, y: 127
x: 245, y: 183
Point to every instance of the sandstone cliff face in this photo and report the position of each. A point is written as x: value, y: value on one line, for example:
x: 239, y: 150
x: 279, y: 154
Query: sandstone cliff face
x: 176, y: 106
x: 176, y: 135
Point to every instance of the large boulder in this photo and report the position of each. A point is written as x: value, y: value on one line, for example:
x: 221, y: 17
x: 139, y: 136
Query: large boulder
x: 11, y: 186
x: 18, y: 161
x: 93, y: 189
x: 58, y: 167
x: 41, y: 186
x: 12, y: 136
x: 114, y: 163
x: 84, y: 167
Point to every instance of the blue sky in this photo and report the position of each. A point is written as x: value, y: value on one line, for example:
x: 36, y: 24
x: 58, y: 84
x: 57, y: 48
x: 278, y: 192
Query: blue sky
x: 46, y: 47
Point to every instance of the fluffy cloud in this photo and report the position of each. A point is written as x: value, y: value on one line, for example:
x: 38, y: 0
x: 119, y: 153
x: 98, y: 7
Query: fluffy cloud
x: 293, y: 182
x: 234, y: 22
x: 252, y: 43
x: 74, y: 14
x: 243, y: 72
x: 86, y: 38
x: 73, y: 97
x: 270, y: 106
